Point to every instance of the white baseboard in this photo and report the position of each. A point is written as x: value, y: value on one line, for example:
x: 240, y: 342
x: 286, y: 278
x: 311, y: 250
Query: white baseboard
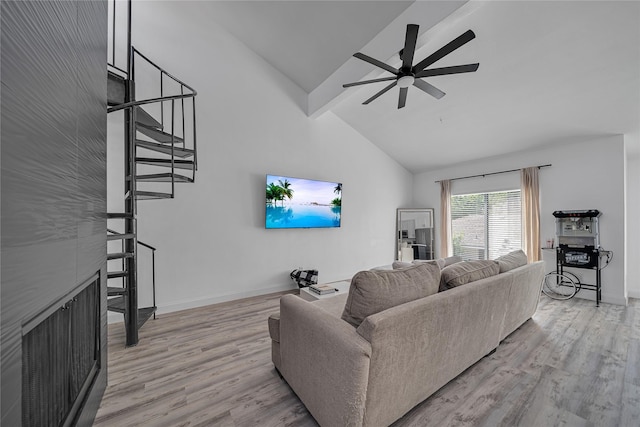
x: 202, y: 302
x: 185, y: 305
x: 616, y: 301
x: 607, y: 299
x: 634, y: 294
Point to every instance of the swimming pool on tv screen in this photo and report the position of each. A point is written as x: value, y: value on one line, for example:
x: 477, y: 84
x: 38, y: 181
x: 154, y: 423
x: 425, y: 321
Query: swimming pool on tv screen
x: 302, y: 216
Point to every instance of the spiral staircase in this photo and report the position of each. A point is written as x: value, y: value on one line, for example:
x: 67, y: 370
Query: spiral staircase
x: 159, y: 151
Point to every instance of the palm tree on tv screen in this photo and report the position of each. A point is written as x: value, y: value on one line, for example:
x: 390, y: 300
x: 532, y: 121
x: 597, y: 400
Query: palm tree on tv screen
x: 274, y: 193
x: 287, y: 191
x: 337, y: 190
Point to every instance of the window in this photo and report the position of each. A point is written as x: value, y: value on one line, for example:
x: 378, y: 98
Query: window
x: 485, y: 225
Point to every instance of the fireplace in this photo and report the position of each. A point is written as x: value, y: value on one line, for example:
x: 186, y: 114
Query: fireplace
x: 61, y: 357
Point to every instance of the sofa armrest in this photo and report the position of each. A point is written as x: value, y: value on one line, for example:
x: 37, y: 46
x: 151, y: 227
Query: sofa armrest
x: 524, y: 295
x: 325, y: 361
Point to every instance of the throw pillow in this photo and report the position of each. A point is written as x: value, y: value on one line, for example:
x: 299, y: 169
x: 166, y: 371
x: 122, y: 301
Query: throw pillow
x: 465, y: 272
x: 512, y: 260
x: 374, y: 291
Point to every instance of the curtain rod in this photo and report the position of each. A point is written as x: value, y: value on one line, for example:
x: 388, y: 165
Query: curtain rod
x: 492, y: 173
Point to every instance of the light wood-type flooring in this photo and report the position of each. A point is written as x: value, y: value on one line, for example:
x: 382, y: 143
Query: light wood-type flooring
x: 572, y: 365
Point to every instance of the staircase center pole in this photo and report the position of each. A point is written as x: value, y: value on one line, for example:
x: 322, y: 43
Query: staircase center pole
x: 131, y: 296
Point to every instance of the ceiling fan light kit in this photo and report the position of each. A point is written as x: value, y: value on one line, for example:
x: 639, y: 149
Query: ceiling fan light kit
x: 405, y: 81
x: 411, y: 75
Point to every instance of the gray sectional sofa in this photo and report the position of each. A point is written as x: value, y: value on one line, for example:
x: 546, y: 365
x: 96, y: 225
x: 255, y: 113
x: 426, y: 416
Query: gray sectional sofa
x: 365, y: 359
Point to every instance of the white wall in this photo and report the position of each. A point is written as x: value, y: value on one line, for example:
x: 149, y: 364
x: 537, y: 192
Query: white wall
x: 211, y: 240
x: 584, y: 175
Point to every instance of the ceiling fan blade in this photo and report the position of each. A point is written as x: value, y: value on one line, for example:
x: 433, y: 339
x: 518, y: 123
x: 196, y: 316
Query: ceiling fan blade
x: 409, y: 46
x: 364, y: 82
x: 402, y: 100
x: 379, y: 93
x: 469, y: 68
x: 444, y: 50
x: 375, y: 62
x: 429, y: 88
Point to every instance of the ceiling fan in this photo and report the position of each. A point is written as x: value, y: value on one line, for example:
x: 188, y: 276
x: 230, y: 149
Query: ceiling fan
x: 410, y: 74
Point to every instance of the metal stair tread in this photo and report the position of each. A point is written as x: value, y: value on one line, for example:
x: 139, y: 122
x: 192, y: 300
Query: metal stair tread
x: 120, y: 236
x: 112, y: 215
x: 164, y: 148
x: 159, y: 135
x: 177, y: 164
x: 116, y: 274
x: 144, y: 313
x: 116, y: 304
x: 145, y: 119
x: 149, y: 195
x: 114, y: 290
x: 119, y: 255
x: 163, y: 177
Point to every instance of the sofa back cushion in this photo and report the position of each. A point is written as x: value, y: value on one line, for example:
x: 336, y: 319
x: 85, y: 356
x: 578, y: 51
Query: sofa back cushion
x: 406, y: 264
x: 398, y: 265
x: 465, y: 272
x: 452, y: 260
x: 375, y: 291
x: 512, y: 260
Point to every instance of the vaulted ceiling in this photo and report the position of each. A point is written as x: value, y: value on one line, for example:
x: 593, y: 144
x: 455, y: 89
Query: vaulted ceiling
x: 549, y: 71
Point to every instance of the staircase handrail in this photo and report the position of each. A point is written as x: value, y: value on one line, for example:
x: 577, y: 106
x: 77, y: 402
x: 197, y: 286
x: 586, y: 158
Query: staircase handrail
x: 162, y: 70
x: 183, y: 96
x: 148, y: 101
x: 146, y: 245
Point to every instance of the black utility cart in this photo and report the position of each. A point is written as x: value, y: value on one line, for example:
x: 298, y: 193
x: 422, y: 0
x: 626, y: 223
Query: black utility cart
x: 578, y: 240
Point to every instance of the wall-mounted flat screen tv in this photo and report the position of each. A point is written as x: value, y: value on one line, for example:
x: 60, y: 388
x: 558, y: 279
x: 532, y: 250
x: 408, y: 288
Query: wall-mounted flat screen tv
x: 302, y: 203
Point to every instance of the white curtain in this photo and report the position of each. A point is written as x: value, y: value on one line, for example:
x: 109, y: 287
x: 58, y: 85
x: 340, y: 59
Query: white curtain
x: 530, y: 197
x: 445, y: 218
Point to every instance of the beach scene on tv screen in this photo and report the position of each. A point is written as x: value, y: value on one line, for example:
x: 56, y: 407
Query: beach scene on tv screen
x: 302, y: 203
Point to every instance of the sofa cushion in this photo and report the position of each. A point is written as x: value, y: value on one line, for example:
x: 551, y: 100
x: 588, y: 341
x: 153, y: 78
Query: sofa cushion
x: 452, y: 260
x: 383, y: 267
x: 375, y: 291
x: 404, y: 264
x: 334, y: 305
x: 512, y: 260
x: 464, y: 272
x: 440, y: 262
x: 397, y: 265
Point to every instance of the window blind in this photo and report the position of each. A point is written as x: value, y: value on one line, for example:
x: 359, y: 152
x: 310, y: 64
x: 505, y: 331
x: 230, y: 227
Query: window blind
x: 485, y: 225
